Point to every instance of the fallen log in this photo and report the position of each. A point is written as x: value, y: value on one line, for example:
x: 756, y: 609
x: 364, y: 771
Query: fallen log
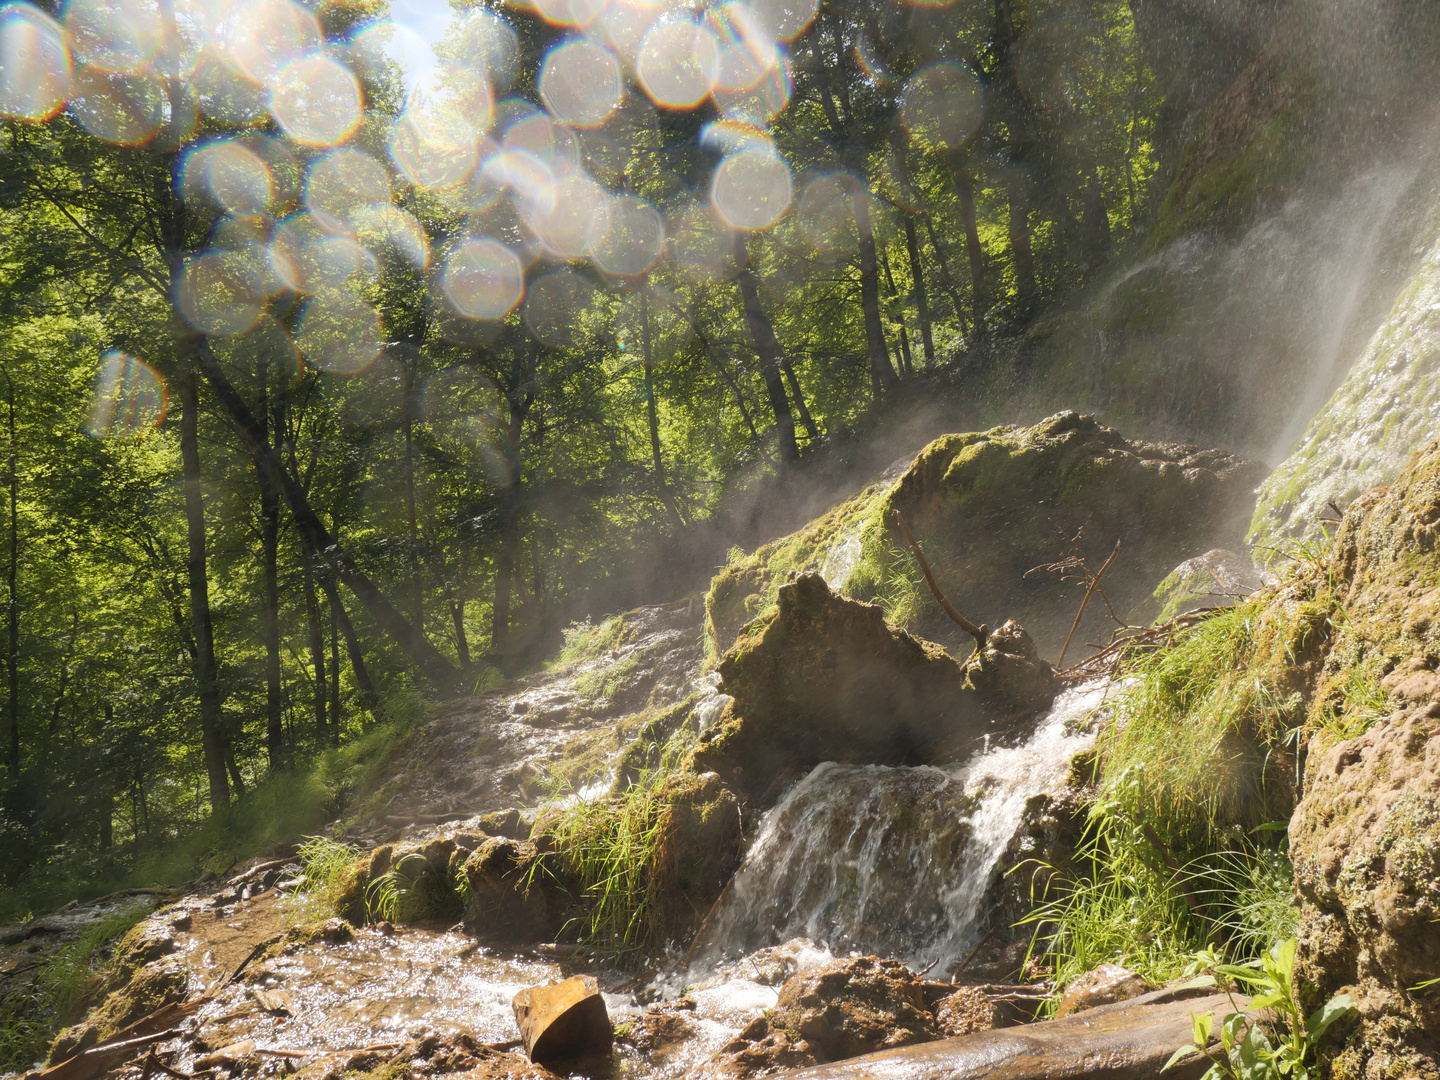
x: 1130, y: 1040
x: 99, y: 1059
x: 428, y: 819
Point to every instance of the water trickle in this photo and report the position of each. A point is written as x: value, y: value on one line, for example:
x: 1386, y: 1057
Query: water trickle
x: 841, y: 560
x: 895, y: 861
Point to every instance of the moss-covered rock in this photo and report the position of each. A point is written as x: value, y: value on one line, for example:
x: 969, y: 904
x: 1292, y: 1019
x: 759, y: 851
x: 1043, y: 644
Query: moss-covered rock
x: 1002, y: 516
x: 1365, y: 840
x: 1217, y: 578
x: 829, y: 679
x: 507, y: 902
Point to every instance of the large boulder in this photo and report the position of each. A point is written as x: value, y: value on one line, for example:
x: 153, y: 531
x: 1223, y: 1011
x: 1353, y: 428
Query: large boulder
x: 1004, y: 516
x: 829, y: 679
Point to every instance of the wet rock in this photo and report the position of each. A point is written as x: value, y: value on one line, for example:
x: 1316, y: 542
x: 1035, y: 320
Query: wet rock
x: 564, y: 1021
x: 1103, y: 985
x: 966, y: 1011
x: 514, y: 824
x: 829, y: 679
x: 144, y: 990
x: 656, y: 1032
x: 512, y: 899
x: 989, y: 508
x: 855, y: 1006
x: 836, y: 1011
x: 1130, y: 1040
x: 1217, y: 578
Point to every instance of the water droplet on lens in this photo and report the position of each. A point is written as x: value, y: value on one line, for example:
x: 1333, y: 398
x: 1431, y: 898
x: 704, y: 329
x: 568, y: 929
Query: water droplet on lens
x: 34, y: 64
x: 752, y: 189
x: 317, y: 101
x: 339, y: 333
x: 484, y: 279
x: 128, y: 398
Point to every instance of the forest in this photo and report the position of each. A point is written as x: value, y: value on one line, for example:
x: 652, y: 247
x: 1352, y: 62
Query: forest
x: 334, y: 386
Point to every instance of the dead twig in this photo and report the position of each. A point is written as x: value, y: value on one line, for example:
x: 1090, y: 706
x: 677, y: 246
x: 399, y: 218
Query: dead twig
x: 256, y: 951
x: 958, y: 968
x: 1094, y: 581
x: 1154, y: 840
x: 979, y: 633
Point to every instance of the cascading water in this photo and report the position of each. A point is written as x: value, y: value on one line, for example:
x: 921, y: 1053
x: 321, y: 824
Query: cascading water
x: 895, y: 861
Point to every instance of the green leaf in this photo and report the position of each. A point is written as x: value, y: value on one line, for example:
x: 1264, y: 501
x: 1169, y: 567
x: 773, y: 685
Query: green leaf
x: 1202, y: 1024
x: 1179, y: 1055
x: 1338, y: 1006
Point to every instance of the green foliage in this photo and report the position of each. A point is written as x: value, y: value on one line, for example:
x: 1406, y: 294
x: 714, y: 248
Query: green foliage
x: 329, y: 869
x: 614, y: 855
x: 1201, y: 740
x: 413, y: 891
x: 1246, y: 1051
x: 30, y: 1018
x: 1123, y: 902
x: 1354, y: 704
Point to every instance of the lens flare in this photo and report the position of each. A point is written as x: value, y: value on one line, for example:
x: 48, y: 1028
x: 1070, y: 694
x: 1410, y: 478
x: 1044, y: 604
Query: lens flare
x: 752, y: 189
x: 230, y: 174
x: 270, y: 35
x: 385, y: 228
x: 580, y: 83
x: 702, y: 245
x: 128, y: 398
x: 34, y: 64
x: 247, y: 242
x: 826, y: 215
x: 571, y: 217
x: 484, y: 279
x: 678, y: 63
x: 226, y: 94
x: 633, y: 238
x: 551, y: 144
x: 451, y: 107
x: 622, y: 27
x: 311, y: 260
x: 759, y: 101
x: 569, y: 12
x: 341, y: 185
x: 316, y: 100
x: 488, y: 44
x: 216, y: 295
x: 942, y: 105
x: 114, y: 35
x: 428, y: 164
x: 554, y: 309
x: 783, y: 20
x: 339, y: 333
x: 116, y: 107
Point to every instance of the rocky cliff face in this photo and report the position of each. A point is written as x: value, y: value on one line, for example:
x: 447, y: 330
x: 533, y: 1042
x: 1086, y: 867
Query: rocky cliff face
x: 1365, y: 840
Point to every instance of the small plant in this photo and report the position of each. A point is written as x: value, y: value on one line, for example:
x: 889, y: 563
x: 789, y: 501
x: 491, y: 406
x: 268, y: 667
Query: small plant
x: 1246, y: 1052
x: 328, y: 868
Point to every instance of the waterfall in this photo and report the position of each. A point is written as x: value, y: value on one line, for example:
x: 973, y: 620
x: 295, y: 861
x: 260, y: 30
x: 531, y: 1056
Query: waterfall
x: 895, y: 861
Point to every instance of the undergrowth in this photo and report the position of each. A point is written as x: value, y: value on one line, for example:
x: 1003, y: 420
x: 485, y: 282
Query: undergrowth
x: 31, y: 1017
x: 615, y: 856
x: 279, y: 808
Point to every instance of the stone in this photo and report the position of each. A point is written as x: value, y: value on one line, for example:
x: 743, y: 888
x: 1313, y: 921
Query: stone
x: 506, y: 904
x: 965, y: 1012
x: 829, y: 679
x: 855, y: 1006
x: 1130, y: 1040
x: 564, y: 1021
x: 1217, y: 578
x: 1000, y: 514
x: 1103, y: 985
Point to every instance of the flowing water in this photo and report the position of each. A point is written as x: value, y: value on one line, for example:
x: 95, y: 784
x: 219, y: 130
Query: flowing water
x: 895, y: 861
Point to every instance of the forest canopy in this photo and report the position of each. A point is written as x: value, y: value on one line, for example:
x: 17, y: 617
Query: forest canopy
x: 337, y: 373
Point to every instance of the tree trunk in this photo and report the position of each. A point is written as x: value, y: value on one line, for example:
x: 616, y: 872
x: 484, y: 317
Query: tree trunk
x: 882, y: 375
x: 768, y: 348
x: 414, y: 644
x: 922, y: 299
x: 334, y: 677
x: 207, y: 680
x: 519, y: 396
x: 12, y: 653
x: 369, y: 698
x: 417, y: 592
x: 945, y: 274
x: 812, y: 430
x: 317, y: 647
x: 965, y: 193
x: 907, y: 366
x: 657, y: 460
x: 1020, y: 254
x: 270, y: 584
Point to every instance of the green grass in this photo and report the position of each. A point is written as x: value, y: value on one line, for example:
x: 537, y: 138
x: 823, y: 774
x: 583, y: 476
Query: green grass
x: 615, y: 857
x: 30, y: 1019
x: 413, y: 891
x: 1202, y: 736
